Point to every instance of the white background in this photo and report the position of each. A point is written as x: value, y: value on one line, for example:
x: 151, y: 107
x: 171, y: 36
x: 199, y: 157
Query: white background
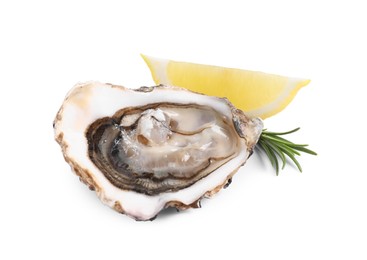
x: 47, y: 46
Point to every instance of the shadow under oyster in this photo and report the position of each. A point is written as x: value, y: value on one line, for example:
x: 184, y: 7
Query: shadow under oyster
x: 151, y: 148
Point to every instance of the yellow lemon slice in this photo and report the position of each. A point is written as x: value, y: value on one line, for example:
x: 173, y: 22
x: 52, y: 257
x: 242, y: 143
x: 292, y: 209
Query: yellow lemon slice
x: 258, y: 94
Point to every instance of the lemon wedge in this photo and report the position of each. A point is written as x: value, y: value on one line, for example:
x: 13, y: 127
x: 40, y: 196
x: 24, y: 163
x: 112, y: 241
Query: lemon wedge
x: 258, y: 94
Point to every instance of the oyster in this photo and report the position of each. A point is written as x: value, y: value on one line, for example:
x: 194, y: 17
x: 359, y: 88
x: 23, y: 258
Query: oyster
x: 155, y: 147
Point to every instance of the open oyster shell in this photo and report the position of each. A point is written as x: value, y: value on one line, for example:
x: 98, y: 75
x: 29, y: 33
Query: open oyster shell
x: 155, y: 147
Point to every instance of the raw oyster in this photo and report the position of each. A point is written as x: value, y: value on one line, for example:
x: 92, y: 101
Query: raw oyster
x: 155, y: 147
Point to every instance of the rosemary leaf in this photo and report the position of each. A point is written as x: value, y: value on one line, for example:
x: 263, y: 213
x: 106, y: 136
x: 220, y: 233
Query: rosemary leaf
x: 293, y: 159
x: 278, y: 152
x: 288, y: 149
x: 281, y: 139
x: 281, y: 133
x: 266, y: 150
x: 305, y: 150
x: 277, y: 139
x: 275, y: 159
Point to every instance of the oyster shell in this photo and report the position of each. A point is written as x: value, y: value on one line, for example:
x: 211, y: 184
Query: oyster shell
x: 155, y: 147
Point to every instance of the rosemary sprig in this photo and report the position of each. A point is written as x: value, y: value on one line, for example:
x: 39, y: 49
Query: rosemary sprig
x: 277, y: 148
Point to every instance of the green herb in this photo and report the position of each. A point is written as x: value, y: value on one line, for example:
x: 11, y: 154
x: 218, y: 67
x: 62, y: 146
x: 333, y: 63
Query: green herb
x: 277, y: 148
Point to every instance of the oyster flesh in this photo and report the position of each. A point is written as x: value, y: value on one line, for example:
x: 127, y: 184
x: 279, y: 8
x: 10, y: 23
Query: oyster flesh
x: 151, y: 148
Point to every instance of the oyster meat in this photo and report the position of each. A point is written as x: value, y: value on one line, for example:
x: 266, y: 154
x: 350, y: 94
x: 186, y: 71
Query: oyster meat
x: 151, y: 148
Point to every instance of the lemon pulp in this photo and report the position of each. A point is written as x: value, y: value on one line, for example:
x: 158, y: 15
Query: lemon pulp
x: 258, y: 94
